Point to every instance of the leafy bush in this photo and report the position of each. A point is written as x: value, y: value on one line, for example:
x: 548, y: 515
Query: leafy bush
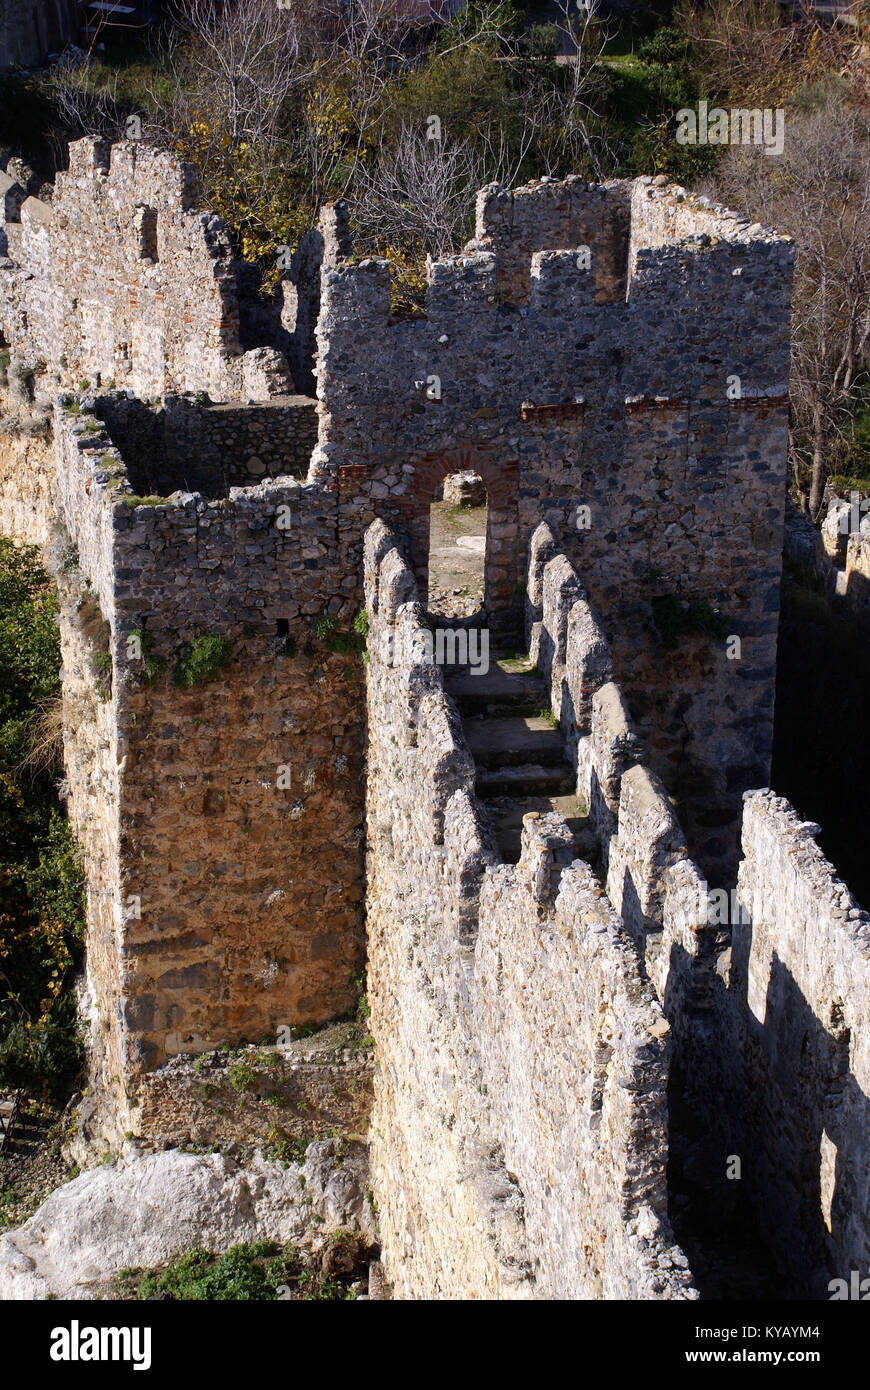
x: 675, y: 618
x: 202, y: 659
x: 199, y: 1276
x: 541, y: 41
x: 41, y: 882
x: 242, y: 1078
x: 666, y: 45
x: 244, y: 1274
x: 322, y: 627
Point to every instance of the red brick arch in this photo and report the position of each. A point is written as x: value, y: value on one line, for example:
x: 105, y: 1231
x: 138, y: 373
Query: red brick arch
x: 502, y: 565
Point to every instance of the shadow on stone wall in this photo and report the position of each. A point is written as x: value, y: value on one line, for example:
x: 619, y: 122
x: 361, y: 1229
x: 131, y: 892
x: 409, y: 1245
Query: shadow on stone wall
x: 189, y: 444
x: 778, y: 1095
x: 821, y: 750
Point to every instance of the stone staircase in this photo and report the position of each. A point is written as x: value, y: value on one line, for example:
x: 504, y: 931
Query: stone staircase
x: 520, y: 757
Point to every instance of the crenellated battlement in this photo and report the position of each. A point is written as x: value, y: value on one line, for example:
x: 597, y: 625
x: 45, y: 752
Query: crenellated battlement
x: 612, y: 361
x: 533, y: 985
x: 124, y: 279
x: 489, y: 945
x: 129, y: 174
x: 553, y: 260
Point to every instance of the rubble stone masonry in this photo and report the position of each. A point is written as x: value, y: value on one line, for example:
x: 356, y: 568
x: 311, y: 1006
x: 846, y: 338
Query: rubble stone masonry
x: 520, y: 1130
x: 642, y: 413
x: 613, y: 362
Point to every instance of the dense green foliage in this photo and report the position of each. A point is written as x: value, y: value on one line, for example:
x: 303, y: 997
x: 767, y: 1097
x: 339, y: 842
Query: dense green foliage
x: 202, y: 659
x: 491, y: 75
x: 41, y: 898
x: 245, y: 1273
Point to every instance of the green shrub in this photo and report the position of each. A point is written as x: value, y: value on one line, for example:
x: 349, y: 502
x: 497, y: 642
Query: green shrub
x: 541, y: 41
x: 245, y: 1273
x: 323, y: 626
x: 202, y: 659
x: 48, y: 1056
x: 199, y: 1276
x: 242, y: 1077
x: 666, y: 45
x: 41, y: 882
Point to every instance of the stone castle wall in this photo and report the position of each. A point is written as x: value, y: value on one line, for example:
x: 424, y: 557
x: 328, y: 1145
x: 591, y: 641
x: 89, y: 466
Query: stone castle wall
x: 26, y: 512
x: 519, y: 1134
x: 627, y: 413
x: 581, y: 357
x: 609, y: 416
x: 122, y: 279
x: 221, y: 825
x: 184, y: 443
x: 802, y: 968
x: 559, y: 215
x: 642, y: 856
x: 837, y: 555
x: 766, y: 996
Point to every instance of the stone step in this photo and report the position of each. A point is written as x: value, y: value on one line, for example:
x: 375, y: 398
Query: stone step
x: 524, y: 780
x: 520, y: 739
x: 509, y: 686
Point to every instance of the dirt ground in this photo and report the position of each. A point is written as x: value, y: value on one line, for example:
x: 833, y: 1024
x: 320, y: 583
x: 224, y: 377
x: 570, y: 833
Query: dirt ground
x: 32, y: 1166
x: 457, y: 541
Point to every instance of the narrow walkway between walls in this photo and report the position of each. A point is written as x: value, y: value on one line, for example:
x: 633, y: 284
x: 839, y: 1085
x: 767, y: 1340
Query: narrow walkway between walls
x: 518, y: 750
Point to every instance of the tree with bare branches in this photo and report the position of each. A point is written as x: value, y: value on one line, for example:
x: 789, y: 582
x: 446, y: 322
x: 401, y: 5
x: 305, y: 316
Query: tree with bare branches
x: 819, y: 191
x: 751, y: 51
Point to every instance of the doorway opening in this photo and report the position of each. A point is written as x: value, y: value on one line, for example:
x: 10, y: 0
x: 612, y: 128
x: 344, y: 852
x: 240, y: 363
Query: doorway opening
x: 457, y: 546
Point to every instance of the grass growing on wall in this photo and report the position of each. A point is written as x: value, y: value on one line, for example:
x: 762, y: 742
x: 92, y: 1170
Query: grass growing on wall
x: 41, y: 883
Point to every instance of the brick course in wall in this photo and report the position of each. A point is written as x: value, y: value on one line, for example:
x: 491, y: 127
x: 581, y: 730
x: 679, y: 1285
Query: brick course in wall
x: 570, y: 388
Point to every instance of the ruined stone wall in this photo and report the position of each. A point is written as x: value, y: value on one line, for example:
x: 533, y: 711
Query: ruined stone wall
x: 765, y: 988
x: 222, y: 824
x: 612, y: 420
x: 184, y: 443
x: 802, y: 970
x: 123, y: 280
x: 559, y: 216
x: 277, y: 1100
x: 92, y: 784
x: 592, y: 392
x: 650, y: 879
x: 30, y: 31
x: 836, y: 555
x: 26, y: 452
x: 519, y: 1133
x: 663, y: 214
